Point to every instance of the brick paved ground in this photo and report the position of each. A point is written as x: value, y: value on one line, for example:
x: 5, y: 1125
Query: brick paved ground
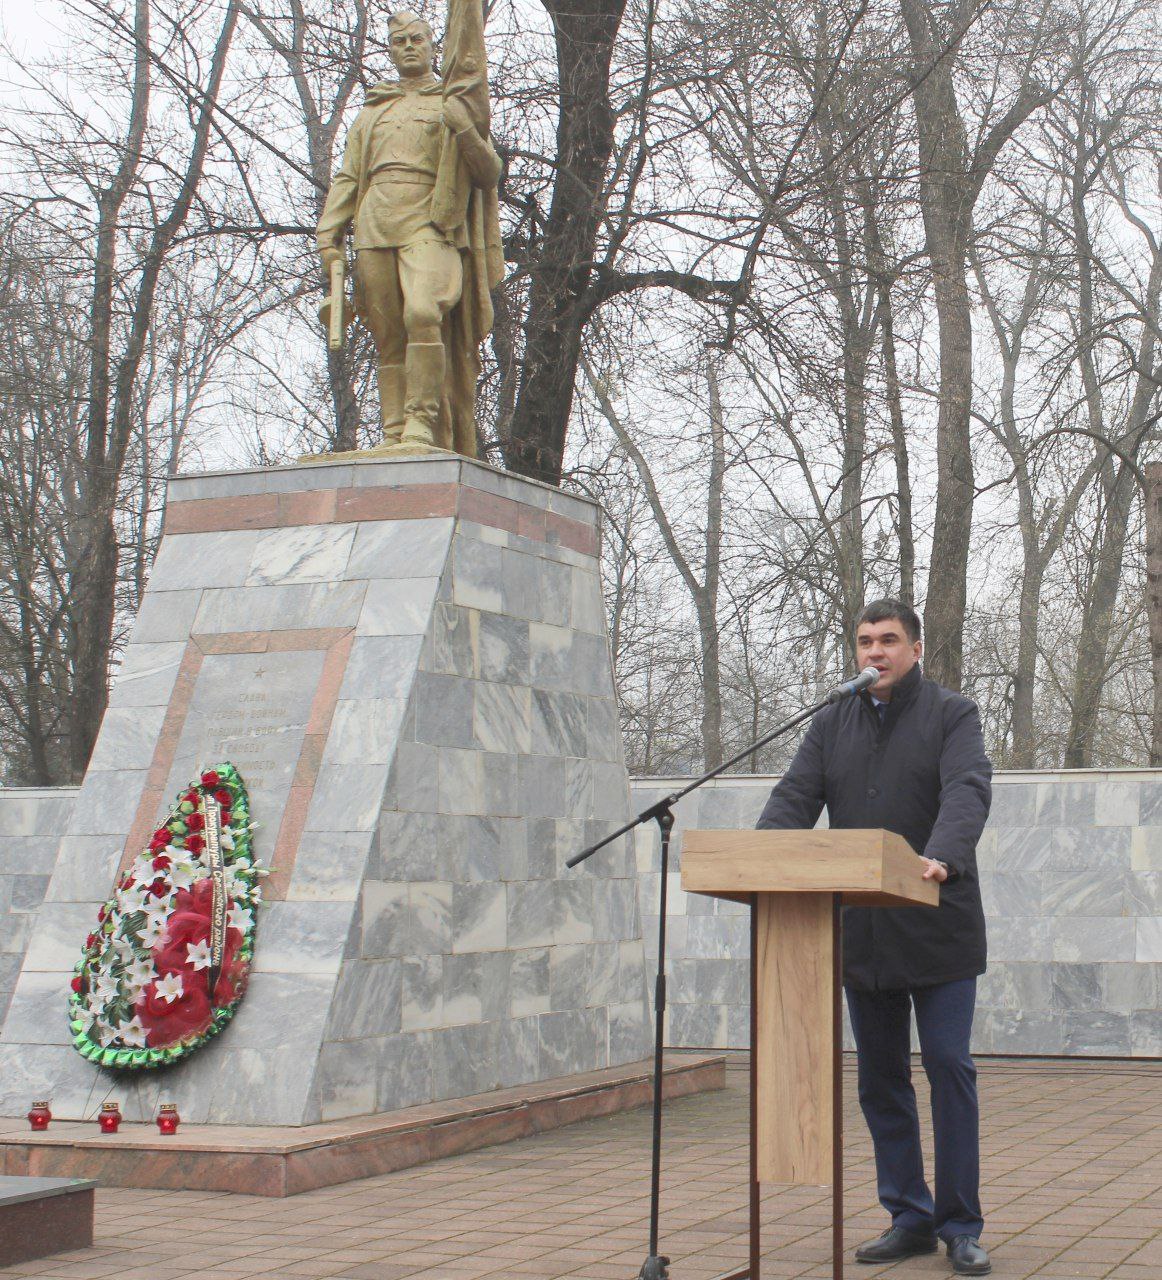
x: 1073, y: 1188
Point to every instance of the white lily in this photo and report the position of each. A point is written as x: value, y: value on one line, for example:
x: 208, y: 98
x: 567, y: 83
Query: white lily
x: 104, y: 1032
x: 153, y: 930
x: 132, y: 899
x: 132, y: 1034
x: 183, y: 874
x: 198, y: 954
x: 169, y: 987
x: 240, y: 919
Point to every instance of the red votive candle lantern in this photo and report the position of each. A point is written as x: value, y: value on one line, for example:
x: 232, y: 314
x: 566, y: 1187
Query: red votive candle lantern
x: 110, y: 1117
x: 40, y: 1115
x: 168, y: 1118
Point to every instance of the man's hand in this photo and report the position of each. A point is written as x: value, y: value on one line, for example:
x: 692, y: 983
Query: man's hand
x: 457, y: 116
x: 934, y: 870
x: 329, y: 257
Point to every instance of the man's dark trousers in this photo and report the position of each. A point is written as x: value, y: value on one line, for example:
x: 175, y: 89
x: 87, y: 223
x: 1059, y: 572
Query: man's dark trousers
x: 881, y: 1023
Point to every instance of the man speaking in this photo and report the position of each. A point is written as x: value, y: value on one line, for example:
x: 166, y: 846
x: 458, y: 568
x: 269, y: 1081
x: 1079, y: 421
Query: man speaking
x: 908, y: 756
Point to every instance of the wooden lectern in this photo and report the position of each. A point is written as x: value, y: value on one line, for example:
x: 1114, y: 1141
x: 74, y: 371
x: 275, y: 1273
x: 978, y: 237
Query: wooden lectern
x: 795, y: 883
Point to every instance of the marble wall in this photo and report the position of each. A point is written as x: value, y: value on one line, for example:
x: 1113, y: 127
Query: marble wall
x: 31, y: 823
x: 1071, y: 876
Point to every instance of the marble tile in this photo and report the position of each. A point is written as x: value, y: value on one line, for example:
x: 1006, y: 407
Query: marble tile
x: 397, y: 607
x: 423, y: 992
x: 400, y: 549
x: 479, y: 917
x: 528, y: 989
x: 307, y: 553
x: 478, y: 576
x: 381, y: 667
x: 368, y: 1000
x: 146, y: 675
x: 190, y: 560
x: 347, y: 797
x: 365, y: 730
x: 302, y: 937
x: 460, y: 790
x: 1147, y: 940
x: 330, y: 867
x: 452, y: 646
x: 165, y: 616
x: 1116, y: 804
x: 502, y: 718
x: 444, y: 710
x: 269, y: 608
x: 1082, y: 893
x: 404, y: 1071
x: 1097, y: 938
x: 503, y: 649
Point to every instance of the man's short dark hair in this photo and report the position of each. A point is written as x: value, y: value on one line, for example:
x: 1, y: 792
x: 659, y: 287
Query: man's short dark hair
x: 887, y: 610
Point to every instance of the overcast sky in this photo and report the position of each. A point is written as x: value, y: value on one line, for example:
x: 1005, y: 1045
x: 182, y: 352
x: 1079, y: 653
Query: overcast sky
x: 31, y: 27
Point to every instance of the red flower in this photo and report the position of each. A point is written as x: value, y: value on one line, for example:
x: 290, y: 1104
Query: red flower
x: 101, y: 916
x: 161, y: 862
x: 195, y: 844
x: 211, y: 778
x: 162, y: 834
x: 168, y: 1021
x: 90, y: 941
x: 77, y: 983
x: 224, y: 797
x: 158, y: 887
x: 195, y: 822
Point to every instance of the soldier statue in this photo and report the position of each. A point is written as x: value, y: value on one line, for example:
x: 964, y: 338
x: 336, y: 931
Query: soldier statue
x: 418, y: 182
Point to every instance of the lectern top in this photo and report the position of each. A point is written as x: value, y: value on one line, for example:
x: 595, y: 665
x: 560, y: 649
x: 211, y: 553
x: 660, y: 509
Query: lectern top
x: 869, y: 867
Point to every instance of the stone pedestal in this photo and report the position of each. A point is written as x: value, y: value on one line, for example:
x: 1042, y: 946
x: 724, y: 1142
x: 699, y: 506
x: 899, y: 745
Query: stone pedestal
x: 407, y: 662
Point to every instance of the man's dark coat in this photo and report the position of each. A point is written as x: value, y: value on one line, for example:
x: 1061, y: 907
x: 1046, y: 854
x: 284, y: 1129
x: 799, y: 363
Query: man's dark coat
x: 922, y: 773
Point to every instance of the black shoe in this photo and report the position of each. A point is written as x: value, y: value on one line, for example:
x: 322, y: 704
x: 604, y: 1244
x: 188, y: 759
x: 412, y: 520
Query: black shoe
x: 968, y: 1258
x: 897, y: 1243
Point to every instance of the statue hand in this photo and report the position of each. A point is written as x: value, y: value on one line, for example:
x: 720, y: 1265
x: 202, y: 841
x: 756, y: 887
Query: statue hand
x: 329, y: 258
x: 457, y: 116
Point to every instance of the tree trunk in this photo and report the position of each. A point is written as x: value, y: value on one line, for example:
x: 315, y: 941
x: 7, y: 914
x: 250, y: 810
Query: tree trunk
x: 899, y: 449
x: 1154, y: 600
x: 94, y: 576
x: 585, y: 31
x: 708, y: 605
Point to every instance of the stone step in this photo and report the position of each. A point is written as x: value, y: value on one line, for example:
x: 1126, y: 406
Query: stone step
x: 285, y: 1160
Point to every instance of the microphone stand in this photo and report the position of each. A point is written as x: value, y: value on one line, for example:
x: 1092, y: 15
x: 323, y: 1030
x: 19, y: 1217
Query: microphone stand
x: 654, y: 1267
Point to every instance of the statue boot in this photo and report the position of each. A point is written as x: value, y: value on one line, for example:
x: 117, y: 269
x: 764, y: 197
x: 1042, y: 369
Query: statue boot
x: 391, y: 398
x: 425, y: 388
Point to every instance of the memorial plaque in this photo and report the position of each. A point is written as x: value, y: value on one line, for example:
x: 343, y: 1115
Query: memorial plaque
x: 251, y: 709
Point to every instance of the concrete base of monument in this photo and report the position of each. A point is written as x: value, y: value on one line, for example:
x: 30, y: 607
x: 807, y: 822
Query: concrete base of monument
x: 284, y: 1161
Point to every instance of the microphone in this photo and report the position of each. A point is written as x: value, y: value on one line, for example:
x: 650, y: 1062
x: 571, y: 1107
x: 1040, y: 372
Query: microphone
x: 866, y: 678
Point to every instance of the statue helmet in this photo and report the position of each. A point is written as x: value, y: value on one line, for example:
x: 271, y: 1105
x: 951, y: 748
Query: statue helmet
x: 406, y: 18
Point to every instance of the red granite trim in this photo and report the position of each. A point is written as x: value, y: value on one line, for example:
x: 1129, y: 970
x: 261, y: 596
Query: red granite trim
x: 235, y: 642
x: 210, y: 515
x: 380, y: 502
x: 407, y: 502
x: 281, y: 1162
x: 490, y: 509
x: 163, y: 753
x: 294, y: 815
x: 572, y: 533
x: 311, y: 506
x: 337, y: 642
